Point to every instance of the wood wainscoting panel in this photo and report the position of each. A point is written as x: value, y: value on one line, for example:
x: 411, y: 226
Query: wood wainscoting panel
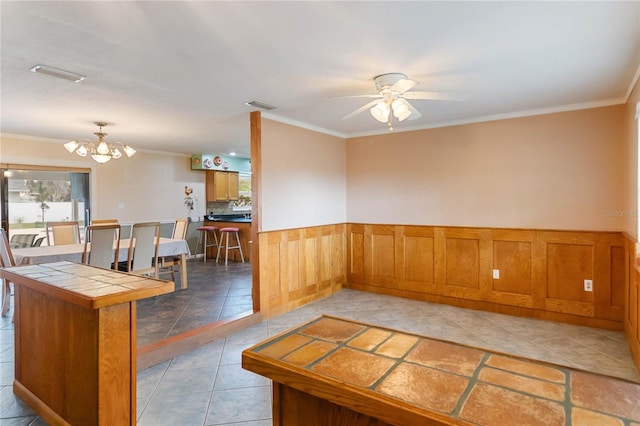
x: 338, y: 251
x: 272, y: 294
x: 309, y: 257
x: 300, y: 265
x: 542, y: 272
x: 513, y: 261
x: 619, y: 270
x: 293, y: 261
x: 355, y: 247
x: 632, y: 300
x: 635, y: 302
x: 326, y: 258
x: 417, y: 257
x: 633, y: 310
x: 568, y: 265
x: 381, y: 261
x: 463, y: 264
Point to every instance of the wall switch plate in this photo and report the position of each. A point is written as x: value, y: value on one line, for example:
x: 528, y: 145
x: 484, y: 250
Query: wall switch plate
x: 588, y: 285
x: 496, y: 274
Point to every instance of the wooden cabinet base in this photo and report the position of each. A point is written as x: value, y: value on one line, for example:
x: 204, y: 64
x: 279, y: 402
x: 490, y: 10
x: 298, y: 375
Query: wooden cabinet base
x: 75, y: 364
x: 292, y: 407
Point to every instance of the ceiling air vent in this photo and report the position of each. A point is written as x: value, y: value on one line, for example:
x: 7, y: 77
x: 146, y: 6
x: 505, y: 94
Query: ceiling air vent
x: 58, y: 73
x: 261, y: 105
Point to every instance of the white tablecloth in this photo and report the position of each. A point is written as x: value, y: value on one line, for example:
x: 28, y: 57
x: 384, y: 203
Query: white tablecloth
x: 73, y: 252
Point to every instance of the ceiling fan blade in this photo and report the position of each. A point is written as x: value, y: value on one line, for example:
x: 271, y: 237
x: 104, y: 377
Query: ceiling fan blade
x: 403, y: 85
x: 435, y: 96
x: 414, y: 112
x: 362, y: 108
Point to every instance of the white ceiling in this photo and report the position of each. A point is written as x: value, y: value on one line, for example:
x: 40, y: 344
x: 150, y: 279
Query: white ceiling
x: 174, y: 76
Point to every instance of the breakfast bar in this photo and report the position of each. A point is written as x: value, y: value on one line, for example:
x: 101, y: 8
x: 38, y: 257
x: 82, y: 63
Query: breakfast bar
x: 75, y: 340
x: 342, y: 372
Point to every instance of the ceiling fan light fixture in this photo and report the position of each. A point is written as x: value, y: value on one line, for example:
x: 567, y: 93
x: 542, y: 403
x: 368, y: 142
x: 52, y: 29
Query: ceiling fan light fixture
x: 380, y: 112
x: 400, y: 110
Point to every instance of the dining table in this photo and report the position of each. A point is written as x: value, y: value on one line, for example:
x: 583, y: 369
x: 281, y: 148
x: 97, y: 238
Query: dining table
x: 73, y: 253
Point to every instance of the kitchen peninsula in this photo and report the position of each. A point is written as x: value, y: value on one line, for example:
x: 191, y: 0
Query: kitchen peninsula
x: 240, y: 221
x: 75, y: 340
x: 332, y: 370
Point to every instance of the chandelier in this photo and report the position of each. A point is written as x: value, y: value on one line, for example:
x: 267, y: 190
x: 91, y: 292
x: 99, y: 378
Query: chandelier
x: 99, y: 150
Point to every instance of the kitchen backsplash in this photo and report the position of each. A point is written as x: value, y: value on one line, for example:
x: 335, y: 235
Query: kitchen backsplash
x: 220, y: 208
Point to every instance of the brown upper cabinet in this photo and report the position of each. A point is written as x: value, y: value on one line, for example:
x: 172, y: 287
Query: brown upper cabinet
x: 222, y: 186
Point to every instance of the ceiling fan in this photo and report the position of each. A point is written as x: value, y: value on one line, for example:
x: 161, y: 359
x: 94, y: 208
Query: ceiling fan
x: 391, y: 100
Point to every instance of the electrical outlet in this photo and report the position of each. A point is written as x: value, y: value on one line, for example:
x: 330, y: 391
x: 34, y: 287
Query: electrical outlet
x: 588, y: 285
x: 496, y: 274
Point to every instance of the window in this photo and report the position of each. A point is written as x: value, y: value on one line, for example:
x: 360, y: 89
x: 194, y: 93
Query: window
x: 31, y: 197
x: 244, y: 190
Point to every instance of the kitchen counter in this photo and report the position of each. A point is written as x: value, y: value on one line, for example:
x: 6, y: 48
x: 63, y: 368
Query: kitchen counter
x: 240, y: 222
x: 337, y: 371
x: 233, y: 218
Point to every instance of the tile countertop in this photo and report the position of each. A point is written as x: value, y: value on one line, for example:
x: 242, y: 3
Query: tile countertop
x: 403, y: 378
x: 85, y: 285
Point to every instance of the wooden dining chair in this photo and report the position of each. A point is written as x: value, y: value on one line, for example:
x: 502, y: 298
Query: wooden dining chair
x: 60, y: 233
x: 166, y: 264
x: 6, y: 261
x: 101, y: 245
x: 142, y: 256
x: 22, y: 240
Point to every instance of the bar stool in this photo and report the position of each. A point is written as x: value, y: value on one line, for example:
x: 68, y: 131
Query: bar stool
x: 225, y: 232
x: 204, y: 230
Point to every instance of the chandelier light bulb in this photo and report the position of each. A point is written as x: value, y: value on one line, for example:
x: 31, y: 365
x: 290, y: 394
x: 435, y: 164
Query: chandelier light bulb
x: 101, y: 158
x: 71, y: 146
x: 115, y: 153
x: 103, y: 148
x: 82, y: 151
x: 128, y: 150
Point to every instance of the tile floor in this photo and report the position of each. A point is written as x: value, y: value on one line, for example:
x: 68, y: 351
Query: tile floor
x: 215, y: 292
x: 207, y: 386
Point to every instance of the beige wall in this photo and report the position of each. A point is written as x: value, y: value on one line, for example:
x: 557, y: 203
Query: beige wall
x: 303, y: 177
x: 145, y: 187
x: 560, y: 171
x: 556, y: 171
